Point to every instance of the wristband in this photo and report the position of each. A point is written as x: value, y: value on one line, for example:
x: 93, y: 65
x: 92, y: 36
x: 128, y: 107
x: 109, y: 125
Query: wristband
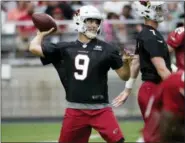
x: 129, y: 84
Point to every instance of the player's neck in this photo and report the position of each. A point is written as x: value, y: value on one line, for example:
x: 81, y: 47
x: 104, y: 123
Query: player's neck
x: 151, y: 23
x: 83, y: 39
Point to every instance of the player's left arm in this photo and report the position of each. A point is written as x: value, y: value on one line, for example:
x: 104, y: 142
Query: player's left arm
x: 134, y: 71
x: 124, y: 71
x: 116, y: 63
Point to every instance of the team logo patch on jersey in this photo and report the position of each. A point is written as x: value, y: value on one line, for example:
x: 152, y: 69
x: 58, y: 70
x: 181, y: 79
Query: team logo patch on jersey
x: 115, y: 131
x: 160, y: 41
x: 97, y: 48
x: 97, y: 97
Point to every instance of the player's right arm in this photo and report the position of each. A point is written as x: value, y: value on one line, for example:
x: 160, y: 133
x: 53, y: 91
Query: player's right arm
x: 35, y: 45
x: 160, y: 66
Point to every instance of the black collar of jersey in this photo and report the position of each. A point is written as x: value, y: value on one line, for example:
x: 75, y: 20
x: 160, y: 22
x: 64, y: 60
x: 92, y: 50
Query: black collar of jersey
x: 89, y: 43
x: 148, y: 26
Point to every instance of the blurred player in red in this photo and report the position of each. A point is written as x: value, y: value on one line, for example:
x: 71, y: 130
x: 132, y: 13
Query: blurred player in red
x: 166, y: 111
x: 175, y: 43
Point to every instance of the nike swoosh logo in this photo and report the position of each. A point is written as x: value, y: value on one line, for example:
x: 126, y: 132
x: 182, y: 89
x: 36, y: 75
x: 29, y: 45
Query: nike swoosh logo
x: 160, y: 41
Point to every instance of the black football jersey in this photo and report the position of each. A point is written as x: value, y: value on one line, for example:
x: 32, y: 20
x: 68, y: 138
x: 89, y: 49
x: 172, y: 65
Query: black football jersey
x: 150, y: 43
x: 86, y: 67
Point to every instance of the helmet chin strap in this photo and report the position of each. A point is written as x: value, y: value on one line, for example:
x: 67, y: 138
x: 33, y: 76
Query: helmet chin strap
x: 89, y: 34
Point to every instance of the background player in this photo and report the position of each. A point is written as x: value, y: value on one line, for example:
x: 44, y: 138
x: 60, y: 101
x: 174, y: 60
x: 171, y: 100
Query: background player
x: 166, y: 112
x: 175, y: 43
x: 151, y: 56
x: 86, y: 62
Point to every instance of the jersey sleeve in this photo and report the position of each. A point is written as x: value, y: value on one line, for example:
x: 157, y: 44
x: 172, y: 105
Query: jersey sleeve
x: 115, y: 59
x: 45, y: 61
x: 153, y: 47
x: 137, y: 48
x: 175, y: 38
x: 52, y: 52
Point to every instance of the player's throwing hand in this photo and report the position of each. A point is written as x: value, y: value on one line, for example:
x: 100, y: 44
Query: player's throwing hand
x: 45, y: 33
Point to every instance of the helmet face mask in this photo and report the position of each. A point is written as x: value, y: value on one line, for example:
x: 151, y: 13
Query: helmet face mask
x: 159, y: 11
x: 92, y: 27
x: 84, y: 20
x: 154, y: 10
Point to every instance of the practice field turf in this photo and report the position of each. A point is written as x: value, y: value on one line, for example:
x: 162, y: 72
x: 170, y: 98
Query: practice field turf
x: 49, y: 132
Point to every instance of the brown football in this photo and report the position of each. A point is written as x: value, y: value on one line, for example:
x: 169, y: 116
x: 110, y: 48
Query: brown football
x: 43, y: 22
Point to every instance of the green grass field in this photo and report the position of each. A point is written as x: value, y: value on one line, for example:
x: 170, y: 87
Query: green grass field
x: 39, y: 132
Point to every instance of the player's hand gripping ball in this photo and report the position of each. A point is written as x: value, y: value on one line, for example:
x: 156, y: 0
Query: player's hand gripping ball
x: 44, y: 22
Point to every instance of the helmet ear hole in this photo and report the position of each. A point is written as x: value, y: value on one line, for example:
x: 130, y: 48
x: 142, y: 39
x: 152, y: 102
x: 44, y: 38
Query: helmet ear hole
x: 147, y: 16
x: 147, y: 11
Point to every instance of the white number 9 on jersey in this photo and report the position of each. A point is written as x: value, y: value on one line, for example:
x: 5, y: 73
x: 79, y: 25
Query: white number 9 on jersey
x: 82, y: 67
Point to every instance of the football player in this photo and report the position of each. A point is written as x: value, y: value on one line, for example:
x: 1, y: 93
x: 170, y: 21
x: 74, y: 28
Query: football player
x: 87, y: 62
x: 175, y: 43
x: 166, y: 112
x: 151, y: 56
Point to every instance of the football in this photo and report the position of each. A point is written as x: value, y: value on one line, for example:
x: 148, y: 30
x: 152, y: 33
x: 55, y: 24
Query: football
x: 44, y: 22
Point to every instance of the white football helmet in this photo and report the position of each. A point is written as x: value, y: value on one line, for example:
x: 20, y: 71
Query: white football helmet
x: 84, y: 13
x: 153, y: 10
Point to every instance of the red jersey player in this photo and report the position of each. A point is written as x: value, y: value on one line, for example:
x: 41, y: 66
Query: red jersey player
x: 166, y: 111
x: 175, y: 43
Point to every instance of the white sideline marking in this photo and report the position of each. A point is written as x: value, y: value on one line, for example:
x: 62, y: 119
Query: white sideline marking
x: 95, y: 136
